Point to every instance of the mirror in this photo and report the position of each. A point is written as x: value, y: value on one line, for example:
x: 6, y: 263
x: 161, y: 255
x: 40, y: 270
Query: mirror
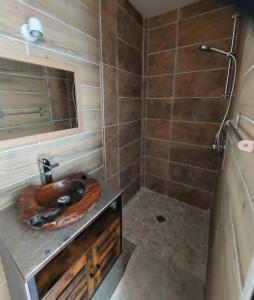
x: 35, y: 99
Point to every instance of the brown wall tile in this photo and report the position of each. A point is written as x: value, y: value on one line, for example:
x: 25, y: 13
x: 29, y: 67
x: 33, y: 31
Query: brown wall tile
x: 212, y: 26
x: 130, y: 153
x: 111, y: 149
x: 156, y: 184
x: 129, y: 85
x: 129, y: 132
x: 163, y: 19
x: 110, y: 95
x: 129, y: 59
x: 158, y: 129
x: 190, y: 58
x: 156, y: 166
x: 129, y: 109
x: 199, y: 7
x: 189, y: 195
x: 157, y: 148
x: 129, y: 30
x: 131, y: 10
x: 131, y: 190
x: 202, y: 134
x: 194, y: 155
x: 198, y: 178
x: 201, y: 110
x: 58, y: 94
x: 108, y: 31
x: 163, y: 38
x: 129, y: 173
x: 159, y: 109
x: 161, y: 63
x: 160, y: 87
x: 201, y: 84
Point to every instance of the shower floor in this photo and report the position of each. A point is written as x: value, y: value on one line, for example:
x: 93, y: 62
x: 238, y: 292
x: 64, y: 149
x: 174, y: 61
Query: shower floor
x: 169, y: 261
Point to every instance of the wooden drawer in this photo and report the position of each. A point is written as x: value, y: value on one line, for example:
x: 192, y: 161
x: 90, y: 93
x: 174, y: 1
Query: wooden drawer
x: 73, y: 284
x: 106, y: 250
x: 76, y: 272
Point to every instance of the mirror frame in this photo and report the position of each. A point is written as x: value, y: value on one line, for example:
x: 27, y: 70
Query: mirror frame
x: 54, y: 134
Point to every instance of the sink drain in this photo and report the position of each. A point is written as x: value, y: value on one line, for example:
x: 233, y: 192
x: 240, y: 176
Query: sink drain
x: 64, y: 200
x: 161, y: 219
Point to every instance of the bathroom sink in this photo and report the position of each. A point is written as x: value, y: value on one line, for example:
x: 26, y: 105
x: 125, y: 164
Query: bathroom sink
x: 58, y: 204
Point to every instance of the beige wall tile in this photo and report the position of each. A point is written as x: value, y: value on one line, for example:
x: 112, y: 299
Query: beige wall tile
x: 4, y: 292
x: 78, y: 15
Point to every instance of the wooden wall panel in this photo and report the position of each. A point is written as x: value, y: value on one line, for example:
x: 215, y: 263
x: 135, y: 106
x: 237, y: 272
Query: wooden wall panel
x: 235, y: 193
x: 57, y: 36
x: 78, y: 15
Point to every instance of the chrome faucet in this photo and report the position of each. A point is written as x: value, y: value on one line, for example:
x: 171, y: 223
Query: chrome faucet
x: 46, y: 168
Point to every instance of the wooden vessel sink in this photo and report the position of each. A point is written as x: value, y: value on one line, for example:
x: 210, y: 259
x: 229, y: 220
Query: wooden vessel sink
x: 58, y: 204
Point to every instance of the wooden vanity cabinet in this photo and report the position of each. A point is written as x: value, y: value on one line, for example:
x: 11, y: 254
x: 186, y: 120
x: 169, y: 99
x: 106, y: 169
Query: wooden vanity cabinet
x: 77, y: 271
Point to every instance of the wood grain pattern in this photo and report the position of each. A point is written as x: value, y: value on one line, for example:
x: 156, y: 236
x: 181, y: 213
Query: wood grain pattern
x: 63, y: 45
x: 90, y: 98
x: 91, y: 4
x: 22, y: 101
x: 232, y: 215
x: 76, y: 270
x: 78, y: 16
x: 36, y: 201
x: 57, y: 36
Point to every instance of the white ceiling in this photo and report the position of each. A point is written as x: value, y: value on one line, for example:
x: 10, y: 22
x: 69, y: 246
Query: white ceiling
x: 150, y: 8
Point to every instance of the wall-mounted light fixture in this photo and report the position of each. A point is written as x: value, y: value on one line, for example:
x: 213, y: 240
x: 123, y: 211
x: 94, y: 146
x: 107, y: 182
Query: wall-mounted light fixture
x: 32, y: 31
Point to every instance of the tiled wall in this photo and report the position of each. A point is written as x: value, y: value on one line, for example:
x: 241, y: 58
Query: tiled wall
x: 182, y: 104
x: 69, y: 38
x: 122, y: 53
x: 232, y: 221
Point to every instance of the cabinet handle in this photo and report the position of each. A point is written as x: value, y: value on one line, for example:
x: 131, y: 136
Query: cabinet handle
x: 91, y: 275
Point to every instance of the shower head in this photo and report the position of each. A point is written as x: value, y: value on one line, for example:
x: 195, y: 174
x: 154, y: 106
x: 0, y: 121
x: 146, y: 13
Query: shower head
x: 204, y: 48
x: 212, y: 49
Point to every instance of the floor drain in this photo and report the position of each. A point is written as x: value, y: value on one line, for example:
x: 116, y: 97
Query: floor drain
x: 161, y: 219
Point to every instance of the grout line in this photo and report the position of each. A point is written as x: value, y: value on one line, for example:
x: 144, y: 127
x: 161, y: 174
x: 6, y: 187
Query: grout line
x: 117, y: 92
x: 123, y: 9
x: 129, y: 164
x: 180, y: 163
x: 85, y: 6
x: 129, y: 144
x: 208, y: 12
x: 194, y: 167
x: 177, y: 142
x: 178, y: 182
x: 173, y: 91
x: 187, y: 72
x: 161, y: 26
x: 189, y: 45
x: 143, y: 99
x: 91, y: 86
x: 46, y: 48
x: 123, y: 70
x: 130, y: 122
x: 182, y: 121
x: 130, y: 45
x: 131, y: 182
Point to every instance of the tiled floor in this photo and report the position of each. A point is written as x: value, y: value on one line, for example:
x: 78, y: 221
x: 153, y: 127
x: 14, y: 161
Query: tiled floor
x: 170, y: 258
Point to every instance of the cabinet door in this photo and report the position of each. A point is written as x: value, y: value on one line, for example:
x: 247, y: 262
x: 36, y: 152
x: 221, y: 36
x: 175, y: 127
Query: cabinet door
x: 106, y: 250
x: 73, y: 284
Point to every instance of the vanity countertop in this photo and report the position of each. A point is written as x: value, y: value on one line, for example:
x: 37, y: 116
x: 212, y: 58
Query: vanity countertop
x: 32, y: 249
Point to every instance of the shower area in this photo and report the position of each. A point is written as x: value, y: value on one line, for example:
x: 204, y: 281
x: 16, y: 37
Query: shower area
x: 190, y: 73
x: 171, y: 83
